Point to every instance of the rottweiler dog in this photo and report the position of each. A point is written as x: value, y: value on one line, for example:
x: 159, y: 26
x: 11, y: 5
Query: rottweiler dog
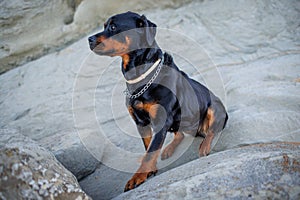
x: 160, y: 97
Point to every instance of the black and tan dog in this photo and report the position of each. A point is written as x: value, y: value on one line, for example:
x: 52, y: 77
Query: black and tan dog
x: 160, y: 97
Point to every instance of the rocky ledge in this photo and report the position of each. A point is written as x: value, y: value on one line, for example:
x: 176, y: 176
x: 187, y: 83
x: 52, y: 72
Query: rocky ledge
x: 28, y: 171
x: 246, y: 52
x: 262, y: 171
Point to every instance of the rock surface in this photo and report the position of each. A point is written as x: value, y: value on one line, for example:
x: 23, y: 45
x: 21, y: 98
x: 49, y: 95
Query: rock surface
x: 246, y: 52
x: 29, y: 171
x: 30, y: 29
x: 78, y: 160
x: 263, y: 171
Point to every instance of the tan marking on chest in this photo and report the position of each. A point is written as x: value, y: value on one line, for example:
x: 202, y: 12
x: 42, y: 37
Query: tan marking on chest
x: 149, y: 107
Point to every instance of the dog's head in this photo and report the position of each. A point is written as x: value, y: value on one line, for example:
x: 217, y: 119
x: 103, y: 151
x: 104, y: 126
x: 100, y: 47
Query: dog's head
x: 122, y: 34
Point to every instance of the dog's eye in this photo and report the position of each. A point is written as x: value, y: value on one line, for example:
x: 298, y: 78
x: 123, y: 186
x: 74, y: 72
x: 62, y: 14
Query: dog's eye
x: 112, y: 27
x: 141, y: 24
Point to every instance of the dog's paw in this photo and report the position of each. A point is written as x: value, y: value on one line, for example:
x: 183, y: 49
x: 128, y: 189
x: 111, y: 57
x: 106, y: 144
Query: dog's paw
x: 167, y: 152
x: 137, y: 179
x: 204, y: 149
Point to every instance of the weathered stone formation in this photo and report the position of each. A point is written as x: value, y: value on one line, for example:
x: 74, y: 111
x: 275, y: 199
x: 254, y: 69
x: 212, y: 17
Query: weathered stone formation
x: 28, y: 171
x: 30, y: 29
x: 246, y: 52
x: 263, y: 171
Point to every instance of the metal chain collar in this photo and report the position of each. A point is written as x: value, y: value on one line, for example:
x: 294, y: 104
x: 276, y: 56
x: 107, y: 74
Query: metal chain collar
x: 134, y: 96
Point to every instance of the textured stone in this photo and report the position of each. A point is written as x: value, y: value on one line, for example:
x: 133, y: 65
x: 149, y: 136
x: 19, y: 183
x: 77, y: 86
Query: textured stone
x: 246, y: 52
x: 30, y: 29
x: 29, y: 171
x: 263, y: 171
x: 77, y: 160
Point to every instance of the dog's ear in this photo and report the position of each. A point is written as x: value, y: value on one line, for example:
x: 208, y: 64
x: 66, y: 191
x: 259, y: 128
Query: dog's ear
x: 149, y: 29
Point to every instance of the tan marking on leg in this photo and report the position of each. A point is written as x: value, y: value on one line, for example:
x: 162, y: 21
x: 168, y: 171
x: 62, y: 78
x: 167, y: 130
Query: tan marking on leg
x: 208, y: 121
x: 147, y: 141
x: 205, y: 146
x: 204, y: 149
x: 146, y: 134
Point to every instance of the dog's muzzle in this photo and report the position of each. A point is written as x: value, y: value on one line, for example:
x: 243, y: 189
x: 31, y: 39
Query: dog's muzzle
x: 92, y: 42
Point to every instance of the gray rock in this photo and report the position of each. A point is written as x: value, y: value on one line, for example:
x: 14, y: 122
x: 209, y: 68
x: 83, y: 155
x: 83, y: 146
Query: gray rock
x: 263, y: 171
x: 30, y: 29
x: 116, y: 179
x: 27, y: 31
x: 246, y: 52
x: 47, y: 118
x: 77, y: 160
x: 97, y: 188
x: 29, y: 171
x: 270, y: 96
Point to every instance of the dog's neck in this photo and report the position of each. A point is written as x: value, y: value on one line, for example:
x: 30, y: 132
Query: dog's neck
x: 137, y: 62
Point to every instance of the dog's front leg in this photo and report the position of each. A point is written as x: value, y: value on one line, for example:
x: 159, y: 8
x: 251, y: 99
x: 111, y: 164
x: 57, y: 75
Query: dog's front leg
x: 148, y: 165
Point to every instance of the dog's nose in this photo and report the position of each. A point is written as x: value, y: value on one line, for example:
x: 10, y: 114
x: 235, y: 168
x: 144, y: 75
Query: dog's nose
x: 92, y: 39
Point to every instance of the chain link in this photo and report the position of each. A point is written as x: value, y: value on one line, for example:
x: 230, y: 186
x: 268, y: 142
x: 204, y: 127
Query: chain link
x: 134, y: 96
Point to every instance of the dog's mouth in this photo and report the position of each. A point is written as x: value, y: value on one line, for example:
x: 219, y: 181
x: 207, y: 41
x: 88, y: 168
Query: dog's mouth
x: 97, y: 47
x: 102, y: 52
x: 100, y: 49
x: 109, y: 46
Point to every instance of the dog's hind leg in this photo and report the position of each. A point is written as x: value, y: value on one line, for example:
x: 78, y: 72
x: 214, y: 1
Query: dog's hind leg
x: 213, y: 124
x: 206, y: 129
